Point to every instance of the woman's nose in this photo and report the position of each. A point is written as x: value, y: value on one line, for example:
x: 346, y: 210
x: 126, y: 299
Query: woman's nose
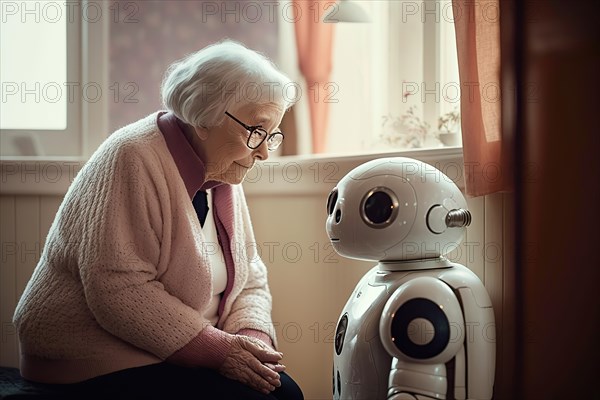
x: 261, y: 152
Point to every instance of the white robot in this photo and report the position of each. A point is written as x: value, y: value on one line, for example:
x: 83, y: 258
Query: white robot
x: 417, y: 326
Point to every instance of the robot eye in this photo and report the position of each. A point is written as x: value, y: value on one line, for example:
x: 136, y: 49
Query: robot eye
x: 331, y: 200
x: 379, y: 207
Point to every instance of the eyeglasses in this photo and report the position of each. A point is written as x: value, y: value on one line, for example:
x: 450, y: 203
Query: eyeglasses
x: 257, y: 135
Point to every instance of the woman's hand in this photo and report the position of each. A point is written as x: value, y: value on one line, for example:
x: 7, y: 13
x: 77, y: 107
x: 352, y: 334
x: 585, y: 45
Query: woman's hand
x: 253, y: 363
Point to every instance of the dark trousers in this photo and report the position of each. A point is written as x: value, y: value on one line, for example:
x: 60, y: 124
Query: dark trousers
x: 168, y: 381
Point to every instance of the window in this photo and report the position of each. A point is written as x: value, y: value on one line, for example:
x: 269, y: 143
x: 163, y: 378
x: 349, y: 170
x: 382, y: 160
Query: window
x: 54, y: 90
x: 393, y: 79
x: 40, y: 78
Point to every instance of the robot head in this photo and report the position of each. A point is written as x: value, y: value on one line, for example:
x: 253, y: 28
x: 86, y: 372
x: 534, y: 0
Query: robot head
x: 394, y: 209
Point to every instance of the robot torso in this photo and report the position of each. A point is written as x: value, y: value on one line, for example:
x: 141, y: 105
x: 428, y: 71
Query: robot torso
x: 364, y: 369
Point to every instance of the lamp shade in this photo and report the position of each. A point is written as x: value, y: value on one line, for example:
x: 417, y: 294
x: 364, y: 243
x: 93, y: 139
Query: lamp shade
x: 346, y: 11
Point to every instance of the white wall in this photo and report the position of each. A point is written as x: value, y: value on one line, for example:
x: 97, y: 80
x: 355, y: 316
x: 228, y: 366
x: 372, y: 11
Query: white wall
x: 309, y: 282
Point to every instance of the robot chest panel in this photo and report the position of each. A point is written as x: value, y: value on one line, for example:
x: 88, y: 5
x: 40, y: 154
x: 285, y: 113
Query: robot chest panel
x: 361, y: 364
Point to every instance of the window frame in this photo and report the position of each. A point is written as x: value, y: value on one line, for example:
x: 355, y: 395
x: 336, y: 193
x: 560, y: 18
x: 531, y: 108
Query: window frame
x: 52, y: 175
x: 66, y: 142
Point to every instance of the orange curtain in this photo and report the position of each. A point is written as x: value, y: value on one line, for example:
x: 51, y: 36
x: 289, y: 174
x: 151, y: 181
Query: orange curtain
x: 314, y: 41
x: 477, y: 25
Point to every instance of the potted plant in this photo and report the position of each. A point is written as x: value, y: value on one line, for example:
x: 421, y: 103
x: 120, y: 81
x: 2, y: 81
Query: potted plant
x: 449, y: 128
x: 405, y: 131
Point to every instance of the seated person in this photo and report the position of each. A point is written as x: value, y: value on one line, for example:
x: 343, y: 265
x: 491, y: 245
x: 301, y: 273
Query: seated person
x: 147, y: 285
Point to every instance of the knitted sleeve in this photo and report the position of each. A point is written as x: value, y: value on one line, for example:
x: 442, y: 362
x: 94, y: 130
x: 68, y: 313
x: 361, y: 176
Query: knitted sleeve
x: 121, y: 248
x: 251, y: 309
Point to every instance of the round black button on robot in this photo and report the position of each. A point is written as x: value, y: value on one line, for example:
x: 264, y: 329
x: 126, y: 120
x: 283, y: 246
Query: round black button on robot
x: 406, y: 334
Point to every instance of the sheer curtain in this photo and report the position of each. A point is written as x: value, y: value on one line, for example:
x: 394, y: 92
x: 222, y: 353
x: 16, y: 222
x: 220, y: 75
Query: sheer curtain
x: 314, y: 42
x: 477, y: 26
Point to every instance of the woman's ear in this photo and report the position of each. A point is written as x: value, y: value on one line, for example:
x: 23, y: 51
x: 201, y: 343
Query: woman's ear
x: 201, y: 132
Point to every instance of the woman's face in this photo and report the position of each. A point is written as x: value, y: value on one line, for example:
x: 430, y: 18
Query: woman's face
x: 227, y: 157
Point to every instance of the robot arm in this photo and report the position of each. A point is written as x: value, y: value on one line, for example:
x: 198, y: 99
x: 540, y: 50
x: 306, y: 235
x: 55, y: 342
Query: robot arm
x: 422, y: 328
x: 480, y: 330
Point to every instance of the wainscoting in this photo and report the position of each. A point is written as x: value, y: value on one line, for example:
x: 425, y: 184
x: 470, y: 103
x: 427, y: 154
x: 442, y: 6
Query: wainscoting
x: 24, y: 224
x: 310, y: 283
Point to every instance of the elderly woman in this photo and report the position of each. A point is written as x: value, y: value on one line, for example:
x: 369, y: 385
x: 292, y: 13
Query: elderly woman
x: 149, y: 283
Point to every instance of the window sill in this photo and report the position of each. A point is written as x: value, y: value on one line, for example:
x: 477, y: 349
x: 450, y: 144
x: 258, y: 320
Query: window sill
x: 35, y: 176
x: 318, y: 174
x: 289, y: 175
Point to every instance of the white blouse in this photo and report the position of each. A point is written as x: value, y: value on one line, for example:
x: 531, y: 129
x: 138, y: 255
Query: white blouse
x: 217, y: 262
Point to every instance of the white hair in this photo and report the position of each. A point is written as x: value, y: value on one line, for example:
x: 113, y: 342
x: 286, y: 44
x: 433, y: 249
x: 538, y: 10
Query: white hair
x: 221, y: 77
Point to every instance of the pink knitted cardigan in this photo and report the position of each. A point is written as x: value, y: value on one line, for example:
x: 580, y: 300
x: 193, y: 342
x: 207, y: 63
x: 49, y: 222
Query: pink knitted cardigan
x: 124, y: 277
